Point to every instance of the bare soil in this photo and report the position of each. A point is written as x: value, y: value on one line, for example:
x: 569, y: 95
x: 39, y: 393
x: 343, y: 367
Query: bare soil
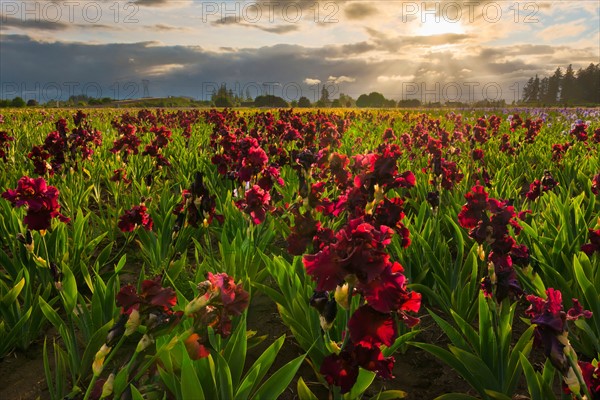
x: 416, y: 372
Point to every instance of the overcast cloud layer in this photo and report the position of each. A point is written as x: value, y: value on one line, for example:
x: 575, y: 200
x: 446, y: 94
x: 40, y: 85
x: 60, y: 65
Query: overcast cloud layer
x: 437, y: 51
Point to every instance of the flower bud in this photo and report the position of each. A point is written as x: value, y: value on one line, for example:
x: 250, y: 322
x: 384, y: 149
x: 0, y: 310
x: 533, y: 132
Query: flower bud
x: 107, y: 388
x: 143, y: 344
x: 98, y: 363
x: 327, y: 317
x: 132, y: 322
x: 196, y: 305
x: 341, y: 296
x: 571, y: 381
x: 27, y: 240
x: 481, y: 252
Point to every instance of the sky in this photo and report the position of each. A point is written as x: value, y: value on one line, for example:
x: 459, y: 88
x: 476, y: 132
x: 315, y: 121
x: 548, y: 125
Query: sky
x: 432, y: 51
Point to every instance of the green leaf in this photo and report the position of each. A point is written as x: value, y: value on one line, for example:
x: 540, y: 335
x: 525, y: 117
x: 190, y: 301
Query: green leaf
x: 10, y: 297
x: 120, y: 383
x: 477, y: 368
x: 455, y: 396
x: 390, y: 395
x: 250, y: 380
x: 304, y: 393
x: 51, y: 314
x: 279, y: 381
x: 455, y: 337
x: 135, y: 393
x: 224, y: 383
x: 262, y: 364
x: 533, y: 384
x: 190, y: 384
x: 453, y: 362
x: 69, y: 289
x: 235, y: 351
x: 497, y: 395
x: 363, y: 381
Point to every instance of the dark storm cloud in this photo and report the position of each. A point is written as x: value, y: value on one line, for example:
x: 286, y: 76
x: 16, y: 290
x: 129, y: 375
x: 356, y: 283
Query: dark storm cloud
x: 29, y: 65
x: 172, y: 70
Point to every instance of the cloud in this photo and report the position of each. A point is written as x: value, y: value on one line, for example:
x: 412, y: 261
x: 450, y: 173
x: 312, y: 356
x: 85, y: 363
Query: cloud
x: 560, y: 31
x: 285, y: 70
x: 167, y: 27
x: 340, y: 79
x: 163, y: 3
x: 312, y: 81
x: 395, y: 78
x: 271, y: 28
x: 358, y: 11
x: 41, y: 24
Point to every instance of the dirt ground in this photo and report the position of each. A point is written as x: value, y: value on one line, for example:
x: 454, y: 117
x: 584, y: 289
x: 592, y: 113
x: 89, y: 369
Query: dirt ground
x: 416, y: 372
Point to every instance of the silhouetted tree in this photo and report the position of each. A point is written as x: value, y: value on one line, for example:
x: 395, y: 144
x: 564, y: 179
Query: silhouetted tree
x: 568, y: 92
x: 303, y: 102
x: 17, y: 102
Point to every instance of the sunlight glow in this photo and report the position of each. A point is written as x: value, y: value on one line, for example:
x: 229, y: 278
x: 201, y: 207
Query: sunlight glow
x: 441, y: 27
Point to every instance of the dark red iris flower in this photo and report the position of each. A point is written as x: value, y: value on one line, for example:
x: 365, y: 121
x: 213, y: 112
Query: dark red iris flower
x: 256, y: 203
x: 222, y: 299
x: 390, y: 212
x: 127, y: 142
x: 515, y: 122
x: 153, y: 297
x: 480, y: 131
x: 302, y: 233
x: 270, y: 176
x: 370, y: 358
x: 338, y: 164
x: 359, y: 249
x: 197, y: 205
x: 120, y: 175
x: 477, y: 154
x: 233, y: 298
x: 40, y: 199
x: 538, y: 187
x: 596, y: 137
x: 196, y: 347
x: 579, y: 131
x: 388, y: 293
x: 550, y: 320
x: 5, y: 144
x: 254, y: 162
x: 594, y: 244
x: 472, y: 212
x: 342, y: 369
x: 134, y: 217
x: 596, y: 183
x: 506, y: 283
x: 451, y: 175
x: 533, y: 128
x: 372, y: 326
x: 559, y: 150
x: 389, y: 135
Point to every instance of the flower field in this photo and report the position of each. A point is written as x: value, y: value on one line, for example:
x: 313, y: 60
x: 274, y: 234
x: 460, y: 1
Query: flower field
x: 135, y: 243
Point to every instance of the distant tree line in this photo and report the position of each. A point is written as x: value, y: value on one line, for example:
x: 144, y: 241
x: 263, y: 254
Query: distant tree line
x: 570, y: 87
